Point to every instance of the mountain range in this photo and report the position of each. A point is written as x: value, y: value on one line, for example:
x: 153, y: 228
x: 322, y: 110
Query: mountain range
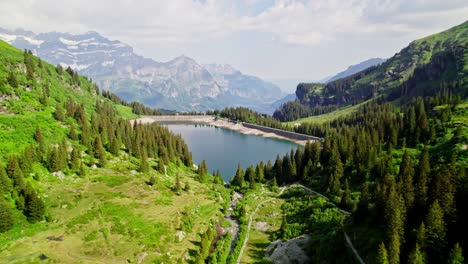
x: 180, y: 84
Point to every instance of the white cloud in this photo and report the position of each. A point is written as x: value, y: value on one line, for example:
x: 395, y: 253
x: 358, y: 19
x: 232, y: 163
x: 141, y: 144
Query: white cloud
x: 182, y: 21
x: 293, y: 22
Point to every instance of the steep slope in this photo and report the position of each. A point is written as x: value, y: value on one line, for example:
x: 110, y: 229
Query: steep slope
x: 80, y: 183
x: 180, y: 84
x: 355, y: 69
x: 437, y: 63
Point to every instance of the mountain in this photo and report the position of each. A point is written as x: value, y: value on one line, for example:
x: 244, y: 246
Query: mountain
x: 354, y: 69
x: 428, y: 66
x: 286, y: 99
x: 180, y: 84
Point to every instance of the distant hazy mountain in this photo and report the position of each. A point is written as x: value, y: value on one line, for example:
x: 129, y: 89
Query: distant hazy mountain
x: 354, y: 69
x: 280, y: 102
x: 180, y: 84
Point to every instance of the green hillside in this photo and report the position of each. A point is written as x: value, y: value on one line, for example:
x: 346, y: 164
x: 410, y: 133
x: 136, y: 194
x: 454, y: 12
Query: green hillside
x: 80, y: 183
x: 428, y: 66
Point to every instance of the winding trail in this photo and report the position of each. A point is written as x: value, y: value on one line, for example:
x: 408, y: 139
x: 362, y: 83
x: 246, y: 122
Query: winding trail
x: 249, y: 226
x: 347, y: 239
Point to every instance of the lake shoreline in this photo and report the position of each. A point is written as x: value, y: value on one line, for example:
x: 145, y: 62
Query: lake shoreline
x: 217, y: 122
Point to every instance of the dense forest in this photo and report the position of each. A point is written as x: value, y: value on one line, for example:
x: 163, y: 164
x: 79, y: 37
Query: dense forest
x: 397, y: 164
x: 401, y: 172
x: 93, y: 131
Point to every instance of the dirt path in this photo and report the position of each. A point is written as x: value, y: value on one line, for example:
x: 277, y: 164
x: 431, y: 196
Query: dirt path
x: 249, y: 226
x: 234, y: 228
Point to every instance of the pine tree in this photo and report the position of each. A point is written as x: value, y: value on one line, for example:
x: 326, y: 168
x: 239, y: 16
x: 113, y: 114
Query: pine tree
x: 6, y: 216
x: 406, y: 180
x: 15, y: 173
x: 416, y: 256
x: 395, y: 218
x: 34, y: 206
x: 12, y: 80
x: 40, y: 140
x: 144, y: 167
x: 202, y: 171
x: 82, y: 171
x: 335, y: 172
x: 5, y: 183
x: 278, y: 168
x: 363, y: 204
x: 250, y: 175
x: 422, y: 179
x: 382, y: 255
x: 99, y: 151
x: 456, y: 255
x: 75, y: 159
x: 435, y: 231
x: 161, y: 167
x: 346, y: 202
x: 259, y: 172
x: 238, y: 179
x: 73, y: 135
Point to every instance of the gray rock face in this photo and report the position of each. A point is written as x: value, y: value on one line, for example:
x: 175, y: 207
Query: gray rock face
x: 180, y: 84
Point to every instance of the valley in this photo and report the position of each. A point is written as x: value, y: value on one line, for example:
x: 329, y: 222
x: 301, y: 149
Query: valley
x: 181, y: 162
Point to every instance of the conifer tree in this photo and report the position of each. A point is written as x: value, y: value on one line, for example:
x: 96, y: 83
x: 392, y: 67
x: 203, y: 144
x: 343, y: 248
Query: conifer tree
x: 82, y: 171
x: 12, y: 80
x: 395, y: 218
x: 435, y: 231
x: 99, y: 151
x: 5, y: 182
x: 34, y: 206
x: 346, y: 201
x: 278, y: 168
x: 250, y: 175
x: 382, y: 255
x: 260, y: 172
x: 75, y: 159
x: 422, y: 179
x: 73, y: 135
x: 202, y: 171
x: 335, y: 172
x: 144, y: 167
x: 416, y: 256
x: 406, y: 180
x: 161, y: 168
x: 456, y: 255
x: 238, y: 179
x: 6, y: 216
x: 40, y: 140
x: 15, y: 173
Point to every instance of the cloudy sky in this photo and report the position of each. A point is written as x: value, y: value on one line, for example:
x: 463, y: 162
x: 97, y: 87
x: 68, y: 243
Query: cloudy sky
x: 273, y: 39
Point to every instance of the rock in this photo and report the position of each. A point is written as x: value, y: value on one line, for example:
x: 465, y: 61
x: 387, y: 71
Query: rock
x: 180, y: 235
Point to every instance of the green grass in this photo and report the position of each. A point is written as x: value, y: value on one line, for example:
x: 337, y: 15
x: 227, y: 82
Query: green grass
x: 112, y: 216
x: 320, y: 119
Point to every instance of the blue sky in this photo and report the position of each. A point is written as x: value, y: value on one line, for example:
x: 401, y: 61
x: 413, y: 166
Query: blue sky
x: 273, y: 39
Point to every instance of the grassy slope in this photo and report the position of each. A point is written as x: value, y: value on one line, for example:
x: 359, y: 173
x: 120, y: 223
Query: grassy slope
x: 109, y: 216
x: 113, y: 216
x: 320, y: 119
